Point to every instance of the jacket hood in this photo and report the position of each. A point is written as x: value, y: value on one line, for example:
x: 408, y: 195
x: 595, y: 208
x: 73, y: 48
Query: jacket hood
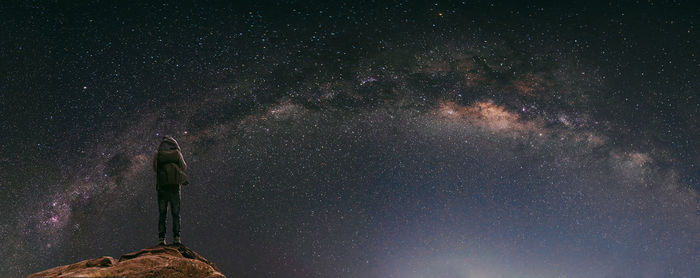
x: 169, y: 143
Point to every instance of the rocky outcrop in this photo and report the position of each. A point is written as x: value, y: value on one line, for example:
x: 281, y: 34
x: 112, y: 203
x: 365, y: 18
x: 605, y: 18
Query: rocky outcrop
x: 158, y: 261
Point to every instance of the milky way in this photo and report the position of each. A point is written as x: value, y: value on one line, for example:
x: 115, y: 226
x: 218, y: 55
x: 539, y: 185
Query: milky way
x: 397, y: 140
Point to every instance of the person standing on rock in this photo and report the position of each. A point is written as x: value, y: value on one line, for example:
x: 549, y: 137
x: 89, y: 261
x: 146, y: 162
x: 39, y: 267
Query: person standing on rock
x: 170, y: 167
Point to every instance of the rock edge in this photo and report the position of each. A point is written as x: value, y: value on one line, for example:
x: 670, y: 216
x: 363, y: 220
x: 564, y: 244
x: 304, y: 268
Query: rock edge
x: 173, y: 260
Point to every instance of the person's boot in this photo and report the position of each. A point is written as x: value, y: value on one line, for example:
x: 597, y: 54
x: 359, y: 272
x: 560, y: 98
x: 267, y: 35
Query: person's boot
x: 161, y: 241
x: 177, y: 240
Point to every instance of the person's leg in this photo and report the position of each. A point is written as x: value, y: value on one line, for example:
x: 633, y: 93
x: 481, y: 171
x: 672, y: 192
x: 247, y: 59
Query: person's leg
x: 162, y: 215
x: 175, y: 203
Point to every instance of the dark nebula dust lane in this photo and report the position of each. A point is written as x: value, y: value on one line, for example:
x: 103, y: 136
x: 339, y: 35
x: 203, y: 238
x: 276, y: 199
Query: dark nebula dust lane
x: 398, y: 139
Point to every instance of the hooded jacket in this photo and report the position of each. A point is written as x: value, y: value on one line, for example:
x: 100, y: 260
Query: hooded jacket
x: 170, y: 149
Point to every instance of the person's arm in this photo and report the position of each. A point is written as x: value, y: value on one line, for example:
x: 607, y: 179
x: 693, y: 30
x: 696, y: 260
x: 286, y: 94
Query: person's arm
x: 183, y: 164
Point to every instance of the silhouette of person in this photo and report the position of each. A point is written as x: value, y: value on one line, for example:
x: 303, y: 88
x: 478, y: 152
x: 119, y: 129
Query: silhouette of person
x: 169, y: 166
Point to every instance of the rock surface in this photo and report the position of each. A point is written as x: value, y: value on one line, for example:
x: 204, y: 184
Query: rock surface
x: 158, y: 261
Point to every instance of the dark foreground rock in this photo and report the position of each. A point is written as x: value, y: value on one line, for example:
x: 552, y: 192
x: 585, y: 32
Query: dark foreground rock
x: 158, y: 261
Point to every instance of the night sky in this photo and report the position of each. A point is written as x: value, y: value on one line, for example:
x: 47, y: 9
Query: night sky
x: 374, y: 139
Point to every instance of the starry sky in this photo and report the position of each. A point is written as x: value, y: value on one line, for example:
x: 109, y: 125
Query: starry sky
x: 365, y: 139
